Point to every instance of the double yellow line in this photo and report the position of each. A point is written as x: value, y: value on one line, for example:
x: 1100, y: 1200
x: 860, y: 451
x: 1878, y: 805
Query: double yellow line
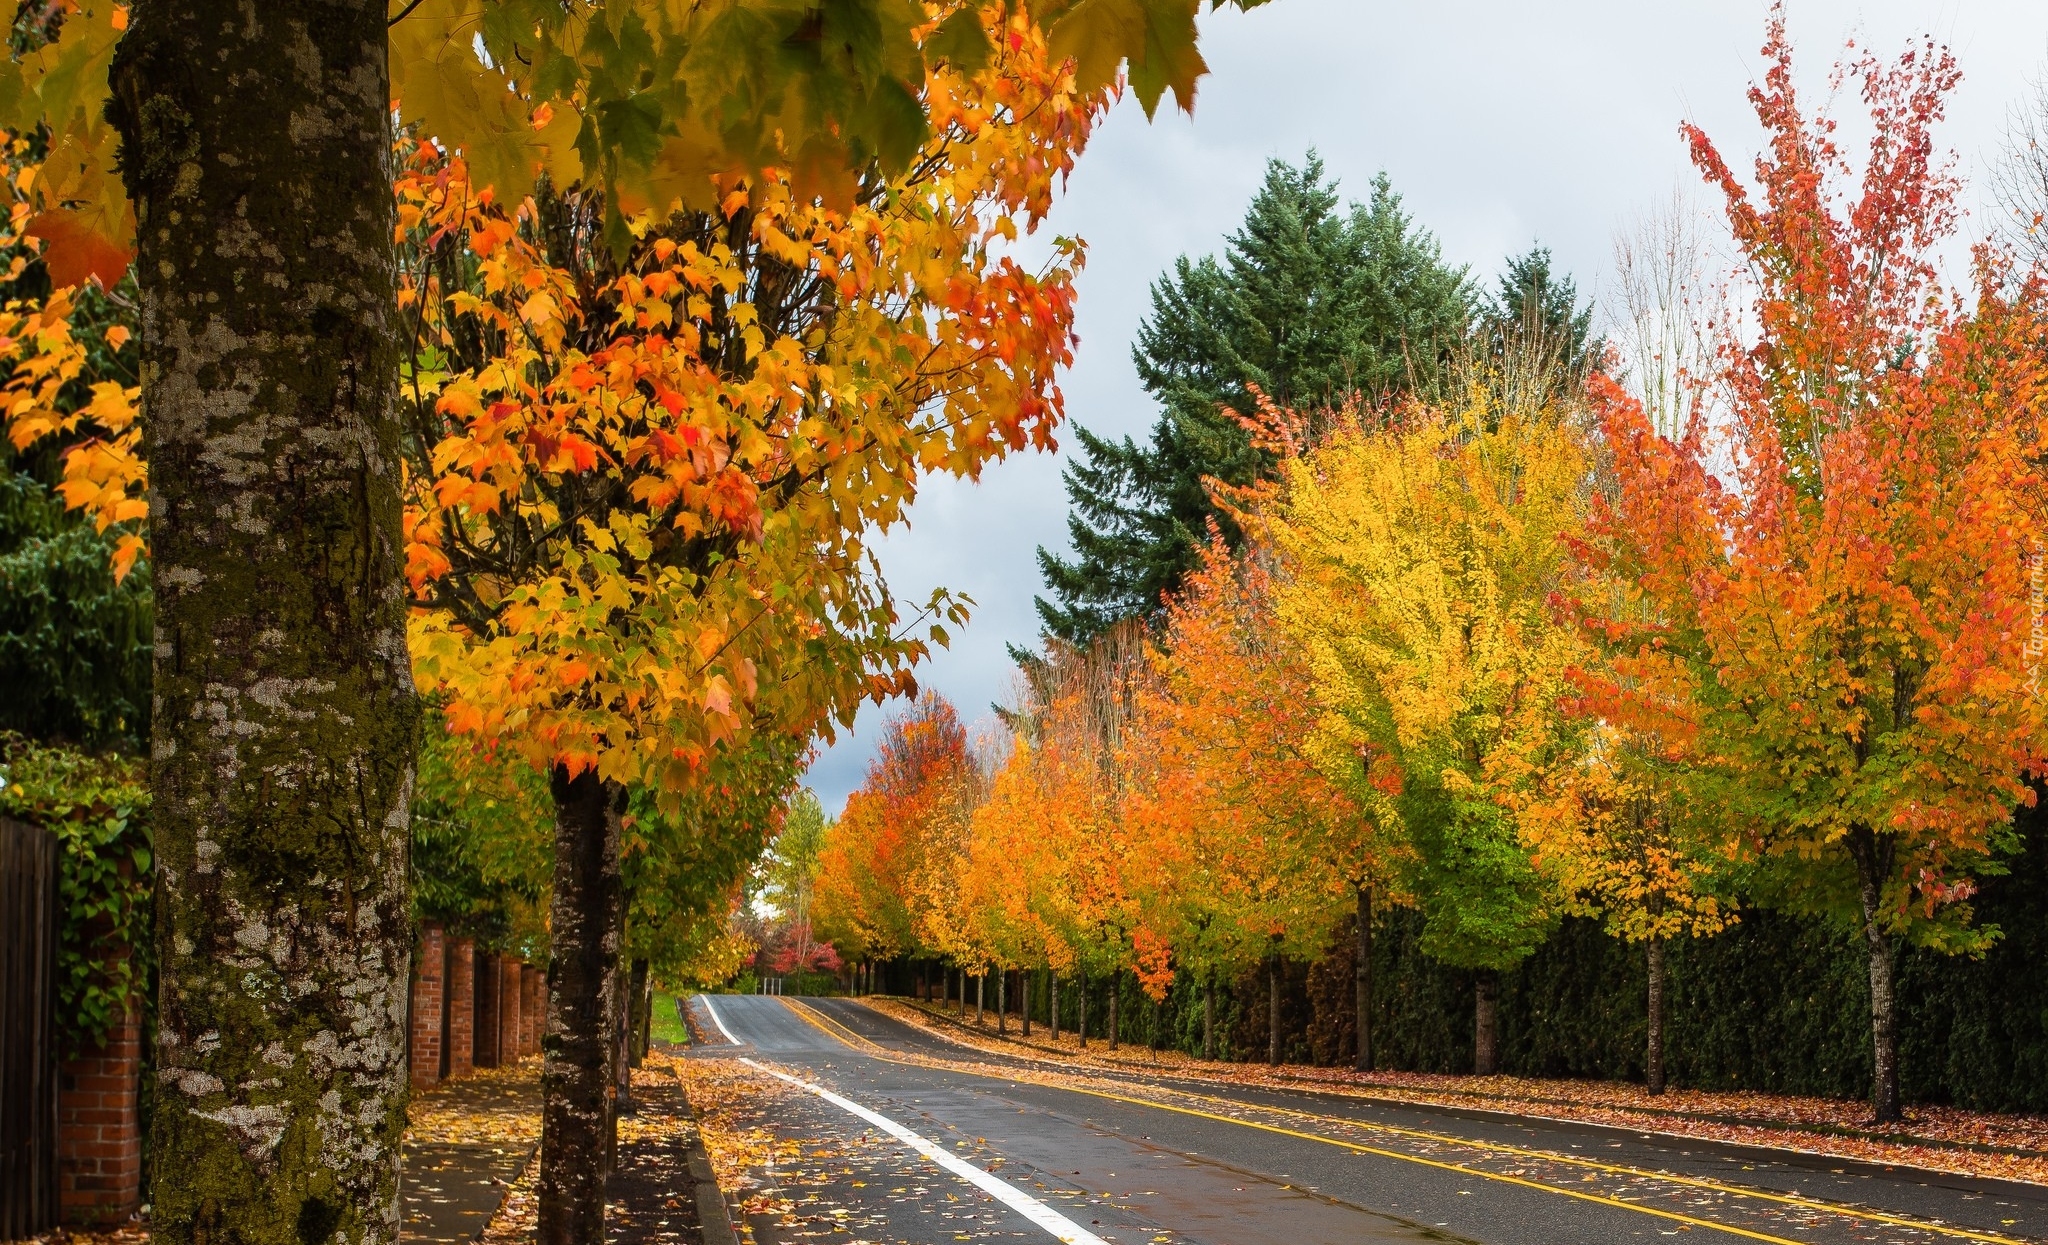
x: 834, y: 1029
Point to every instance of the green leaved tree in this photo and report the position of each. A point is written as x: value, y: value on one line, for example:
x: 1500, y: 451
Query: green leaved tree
x: 1311, y: 305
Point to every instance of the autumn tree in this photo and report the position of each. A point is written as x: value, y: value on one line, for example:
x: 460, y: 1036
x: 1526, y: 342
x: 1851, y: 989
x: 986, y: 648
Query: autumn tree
x: 1606, y: 822
x: 1837, y: 640
x: 1244, y: 849
x: 1421, y: 558
x: 873, y: 857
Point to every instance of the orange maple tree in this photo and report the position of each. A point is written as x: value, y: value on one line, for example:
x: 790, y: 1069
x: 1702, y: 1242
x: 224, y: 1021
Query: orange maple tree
x: 866, y: 900
x: 1832, y: 636
x: 1244, y: 849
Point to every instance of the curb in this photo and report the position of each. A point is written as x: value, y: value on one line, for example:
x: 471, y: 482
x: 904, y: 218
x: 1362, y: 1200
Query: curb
x: 713, y: 1219
x: 1785, y: 1156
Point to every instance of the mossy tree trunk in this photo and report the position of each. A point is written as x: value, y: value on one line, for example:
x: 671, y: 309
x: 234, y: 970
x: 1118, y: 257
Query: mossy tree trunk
x: 1362, y: 979
x: 1654, y: 1070
x: 1486, y: 1023
x: 256, y: 147
x: 1273, y: 1010
x: 1209, y: 1015
x: 577, y: 1075
x: 1872, y: 853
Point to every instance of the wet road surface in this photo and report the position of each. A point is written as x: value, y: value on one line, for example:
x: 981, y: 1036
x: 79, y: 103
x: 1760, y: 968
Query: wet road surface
x: 915, y: 1139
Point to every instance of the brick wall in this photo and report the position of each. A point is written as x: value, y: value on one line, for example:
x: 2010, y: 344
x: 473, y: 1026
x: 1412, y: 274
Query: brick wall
x: 99, y: 1130
x: 511, y: 1011
x: 489, y: 1008
x: 461, y: 1008
x: 533, y: 1007
x: 427, y: 990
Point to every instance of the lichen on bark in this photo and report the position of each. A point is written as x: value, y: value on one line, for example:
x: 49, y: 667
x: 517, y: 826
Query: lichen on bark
x: 256, y: 148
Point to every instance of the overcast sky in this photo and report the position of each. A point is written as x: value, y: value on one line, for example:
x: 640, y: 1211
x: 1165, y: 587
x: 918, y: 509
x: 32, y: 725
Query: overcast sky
x: 1501, y: 122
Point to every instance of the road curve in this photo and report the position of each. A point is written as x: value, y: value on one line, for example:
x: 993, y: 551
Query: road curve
x: 911, y: 1138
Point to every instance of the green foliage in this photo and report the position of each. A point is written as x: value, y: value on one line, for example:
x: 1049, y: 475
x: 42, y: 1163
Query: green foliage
x: 482, y: 843
x: 1308, y: 305
x: 1483, y: 903
x: 98, y: 807
x: 1531, y: 302
x: 683, y: 870
x: 74, y: 643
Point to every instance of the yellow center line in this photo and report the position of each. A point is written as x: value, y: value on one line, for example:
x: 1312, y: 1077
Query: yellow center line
x: 832, y: 1028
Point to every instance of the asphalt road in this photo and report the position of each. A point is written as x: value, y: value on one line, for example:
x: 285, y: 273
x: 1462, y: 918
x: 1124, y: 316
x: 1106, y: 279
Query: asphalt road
x: 1083, y: 1157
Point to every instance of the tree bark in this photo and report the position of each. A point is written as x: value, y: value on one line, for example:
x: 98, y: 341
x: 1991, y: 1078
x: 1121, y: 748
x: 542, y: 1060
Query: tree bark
x: 1273, y: 1010
x: 1873, y: 856
x: 577, y: 1076
x: 1486, y: 1023
x: 1362, y: 979
x: 1081, y: 984
x: 1003, y: 1003
x: 622, y: 1058
x: 1024, y: 989
x: 980, y: 996
x: 1052, y: 1008
x: 1116, y: 998
x: 1209, y: 1015
x: 256, y: 148
x: 1655, y: 1063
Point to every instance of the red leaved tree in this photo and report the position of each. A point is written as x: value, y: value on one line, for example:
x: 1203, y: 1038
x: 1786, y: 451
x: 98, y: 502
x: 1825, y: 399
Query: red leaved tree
x: 1831, y: 631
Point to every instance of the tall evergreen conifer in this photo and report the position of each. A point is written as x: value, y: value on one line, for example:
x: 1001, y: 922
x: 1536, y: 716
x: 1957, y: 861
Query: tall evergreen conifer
x: 1310, y: 305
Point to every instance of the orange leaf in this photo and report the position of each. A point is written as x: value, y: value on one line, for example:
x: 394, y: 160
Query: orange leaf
x: 73, y: 250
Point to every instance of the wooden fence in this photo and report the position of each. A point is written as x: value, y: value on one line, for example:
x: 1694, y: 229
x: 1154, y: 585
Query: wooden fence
x: 28, y: 1063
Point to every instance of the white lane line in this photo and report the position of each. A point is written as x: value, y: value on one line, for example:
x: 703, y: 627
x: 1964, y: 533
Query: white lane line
x: 1001, y: 1190
x: 705, y: 999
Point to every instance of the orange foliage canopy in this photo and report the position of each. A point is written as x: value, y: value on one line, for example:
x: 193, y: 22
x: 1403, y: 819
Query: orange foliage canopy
x: 1838, y: 631
x: 866, y: 899
x: 1240, y: 845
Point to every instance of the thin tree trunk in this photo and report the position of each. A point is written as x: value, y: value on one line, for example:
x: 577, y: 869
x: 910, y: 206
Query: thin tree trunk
x: 1116, y: 997
x: 641, y: 993
x: 257, y: 154
x: 1052, y: 1010
x: 1081, y: 985
x: 980, y: 993
x: 1873, y: 857
x: 1656, y: 1053
x: 1209, y: 1015
x: 1273, y: 1010
x: 576, y: 1079
x: 1486, y: 1023
x: 1024, y: 987
x: 622, y: 1062
x: 1362, y: 978
x: 1003, y: 1003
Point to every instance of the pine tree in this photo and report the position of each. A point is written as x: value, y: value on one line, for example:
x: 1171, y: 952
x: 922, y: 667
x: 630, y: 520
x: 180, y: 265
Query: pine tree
x: 1309, y: 305
x: 1533, y: 305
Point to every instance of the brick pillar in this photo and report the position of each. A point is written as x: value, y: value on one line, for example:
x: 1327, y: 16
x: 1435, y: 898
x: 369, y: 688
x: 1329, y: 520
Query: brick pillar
x: 99, y: 1129
x: 533, y: 1008
x: 488, y: 1010
x: 461, y: 1007
x: 427, y: 990
x: 511, y: 1016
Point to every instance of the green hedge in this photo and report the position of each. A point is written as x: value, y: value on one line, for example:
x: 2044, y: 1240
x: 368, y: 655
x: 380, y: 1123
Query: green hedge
x: 99, y: 809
